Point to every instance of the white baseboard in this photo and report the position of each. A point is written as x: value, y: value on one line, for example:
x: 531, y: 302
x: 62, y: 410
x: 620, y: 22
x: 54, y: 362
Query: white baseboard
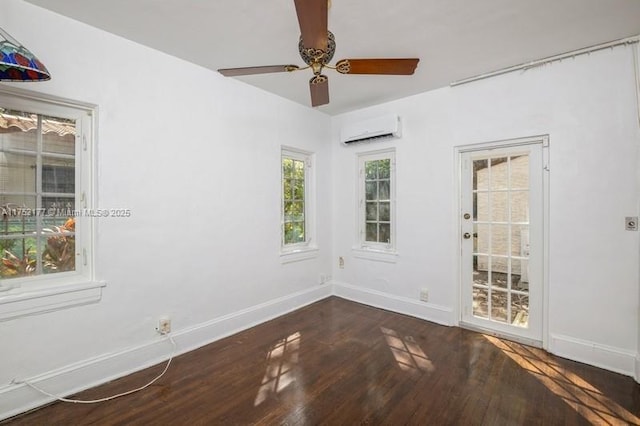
x: 403, y: 305
x: 610, y: 358
x: 18, y: 398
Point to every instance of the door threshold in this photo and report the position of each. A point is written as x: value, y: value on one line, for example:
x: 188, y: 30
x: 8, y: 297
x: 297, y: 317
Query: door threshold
x: 513, y: 337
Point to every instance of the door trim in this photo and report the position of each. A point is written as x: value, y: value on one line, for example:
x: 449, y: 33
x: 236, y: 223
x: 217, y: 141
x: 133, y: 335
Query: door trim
x: 506, y: 143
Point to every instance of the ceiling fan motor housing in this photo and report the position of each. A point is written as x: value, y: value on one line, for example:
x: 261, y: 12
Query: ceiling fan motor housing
x: 312, y: 56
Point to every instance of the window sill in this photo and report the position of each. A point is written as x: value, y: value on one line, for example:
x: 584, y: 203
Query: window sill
x: 298, y: 255
x: 17, y: 302
x: 387, y: 256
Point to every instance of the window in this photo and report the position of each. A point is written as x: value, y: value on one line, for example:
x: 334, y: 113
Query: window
x: 297, y: 201
x: 376, y: 215
x: 45, y: 198
x: 58, y: 180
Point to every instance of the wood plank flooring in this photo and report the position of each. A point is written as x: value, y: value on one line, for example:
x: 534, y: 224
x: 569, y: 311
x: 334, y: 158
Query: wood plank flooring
x: 337, y: 362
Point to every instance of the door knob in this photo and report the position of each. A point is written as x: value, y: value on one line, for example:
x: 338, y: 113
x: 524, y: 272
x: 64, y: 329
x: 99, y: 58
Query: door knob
x: 467, y: 216
x: 466, y: 235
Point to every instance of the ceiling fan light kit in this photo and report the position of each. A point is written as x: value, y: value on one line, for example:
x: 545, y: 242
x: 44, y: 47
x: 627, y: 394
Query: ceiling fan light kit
x: 317, y: 46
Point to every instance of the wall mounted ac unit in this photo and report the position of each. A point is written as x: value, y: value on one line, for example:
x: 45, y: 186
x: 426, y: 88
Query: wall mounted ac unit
x: 379, y: 128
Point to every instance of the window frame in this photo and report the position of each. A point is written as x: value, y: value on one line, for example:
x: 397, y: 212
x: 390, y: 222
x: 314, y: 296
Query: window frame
x: 48, y: 292
x: 308, y: 248
x: 384, y: 252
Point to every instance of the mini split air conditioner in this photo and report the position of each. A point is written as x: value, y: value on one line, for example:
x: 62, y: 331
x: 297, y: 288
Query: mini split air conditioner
x: 380, y: 128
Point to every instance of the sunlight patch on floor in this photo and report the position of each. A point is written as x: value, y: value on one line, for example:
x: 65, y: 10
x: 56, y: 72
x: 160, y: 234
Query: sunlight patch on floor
x: 407, y: 353
x: 279, y: 372
x: 580, y: 395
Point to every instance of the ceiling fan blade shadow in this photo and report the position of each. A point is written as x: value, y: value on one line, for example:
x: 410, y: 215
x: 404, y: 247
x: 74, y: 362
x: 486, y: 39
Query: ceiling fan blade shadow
x: 312, y: 17
x: 401, y: 66
x: 319, y: 88
x: 233, y: 72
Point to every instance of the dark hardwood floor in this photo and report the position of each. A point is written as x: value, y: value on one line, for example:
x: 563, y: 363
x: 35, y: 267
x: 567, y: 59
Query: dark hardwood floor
x: 337, y: 362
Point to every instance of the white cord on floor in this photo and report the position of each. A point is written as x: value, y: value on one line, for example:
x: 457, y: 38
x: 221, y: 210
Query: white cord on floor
x: 95, y: 401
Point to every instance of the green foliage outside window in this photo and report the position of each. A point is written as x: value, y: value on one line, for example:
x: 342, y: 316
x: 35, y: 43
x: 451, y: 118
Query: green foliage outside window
x: 378, y: 201
x: 58, y: 254
x: 293, y: 199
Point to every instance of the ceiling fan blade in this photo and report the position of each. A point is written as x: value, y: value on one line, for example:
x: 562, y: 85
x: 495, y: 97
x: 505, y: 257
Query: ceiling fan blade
x: 404, y: 66
x: 319, y: 87
x: 232, y: 72
x: 312, y: 17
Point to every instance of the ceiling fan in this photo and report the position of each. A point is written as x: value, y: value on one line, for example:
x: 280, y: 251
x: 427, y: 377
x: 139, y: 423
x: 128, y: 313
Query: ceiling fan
x: 317, y: 46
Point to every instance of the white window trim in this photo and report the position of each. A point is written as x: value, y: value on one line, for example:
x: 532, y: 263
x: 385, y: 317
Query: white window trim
x: 21, y: 304
x: 308, y: 249
x: 365, y: 249
x: 45, y: 293
x: 390, y: 256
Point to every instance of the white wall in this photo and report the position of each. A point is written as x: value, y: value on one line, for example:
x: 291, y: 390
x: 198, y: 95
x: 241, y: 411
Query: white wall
x: 196, y: 157
x: 587, y: 106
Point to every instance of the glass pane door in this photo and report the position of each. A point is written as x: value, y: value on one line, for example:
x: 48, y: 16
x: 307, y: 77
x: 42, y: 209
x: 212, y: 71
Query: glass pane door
x: 502, y: 239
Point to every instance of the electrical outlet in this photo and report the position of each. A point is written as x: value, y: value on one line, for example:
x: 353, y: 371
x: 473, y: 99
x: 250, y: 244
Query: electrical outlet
x: 341, y: 262
x: 164, y: 325
x: 323, y: 279
x: 424, y: 295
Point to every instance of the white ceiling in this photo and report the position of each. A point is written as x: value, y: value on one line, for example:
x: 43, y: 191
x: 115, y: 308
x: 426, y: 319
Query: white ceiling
x: 454, y: 39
